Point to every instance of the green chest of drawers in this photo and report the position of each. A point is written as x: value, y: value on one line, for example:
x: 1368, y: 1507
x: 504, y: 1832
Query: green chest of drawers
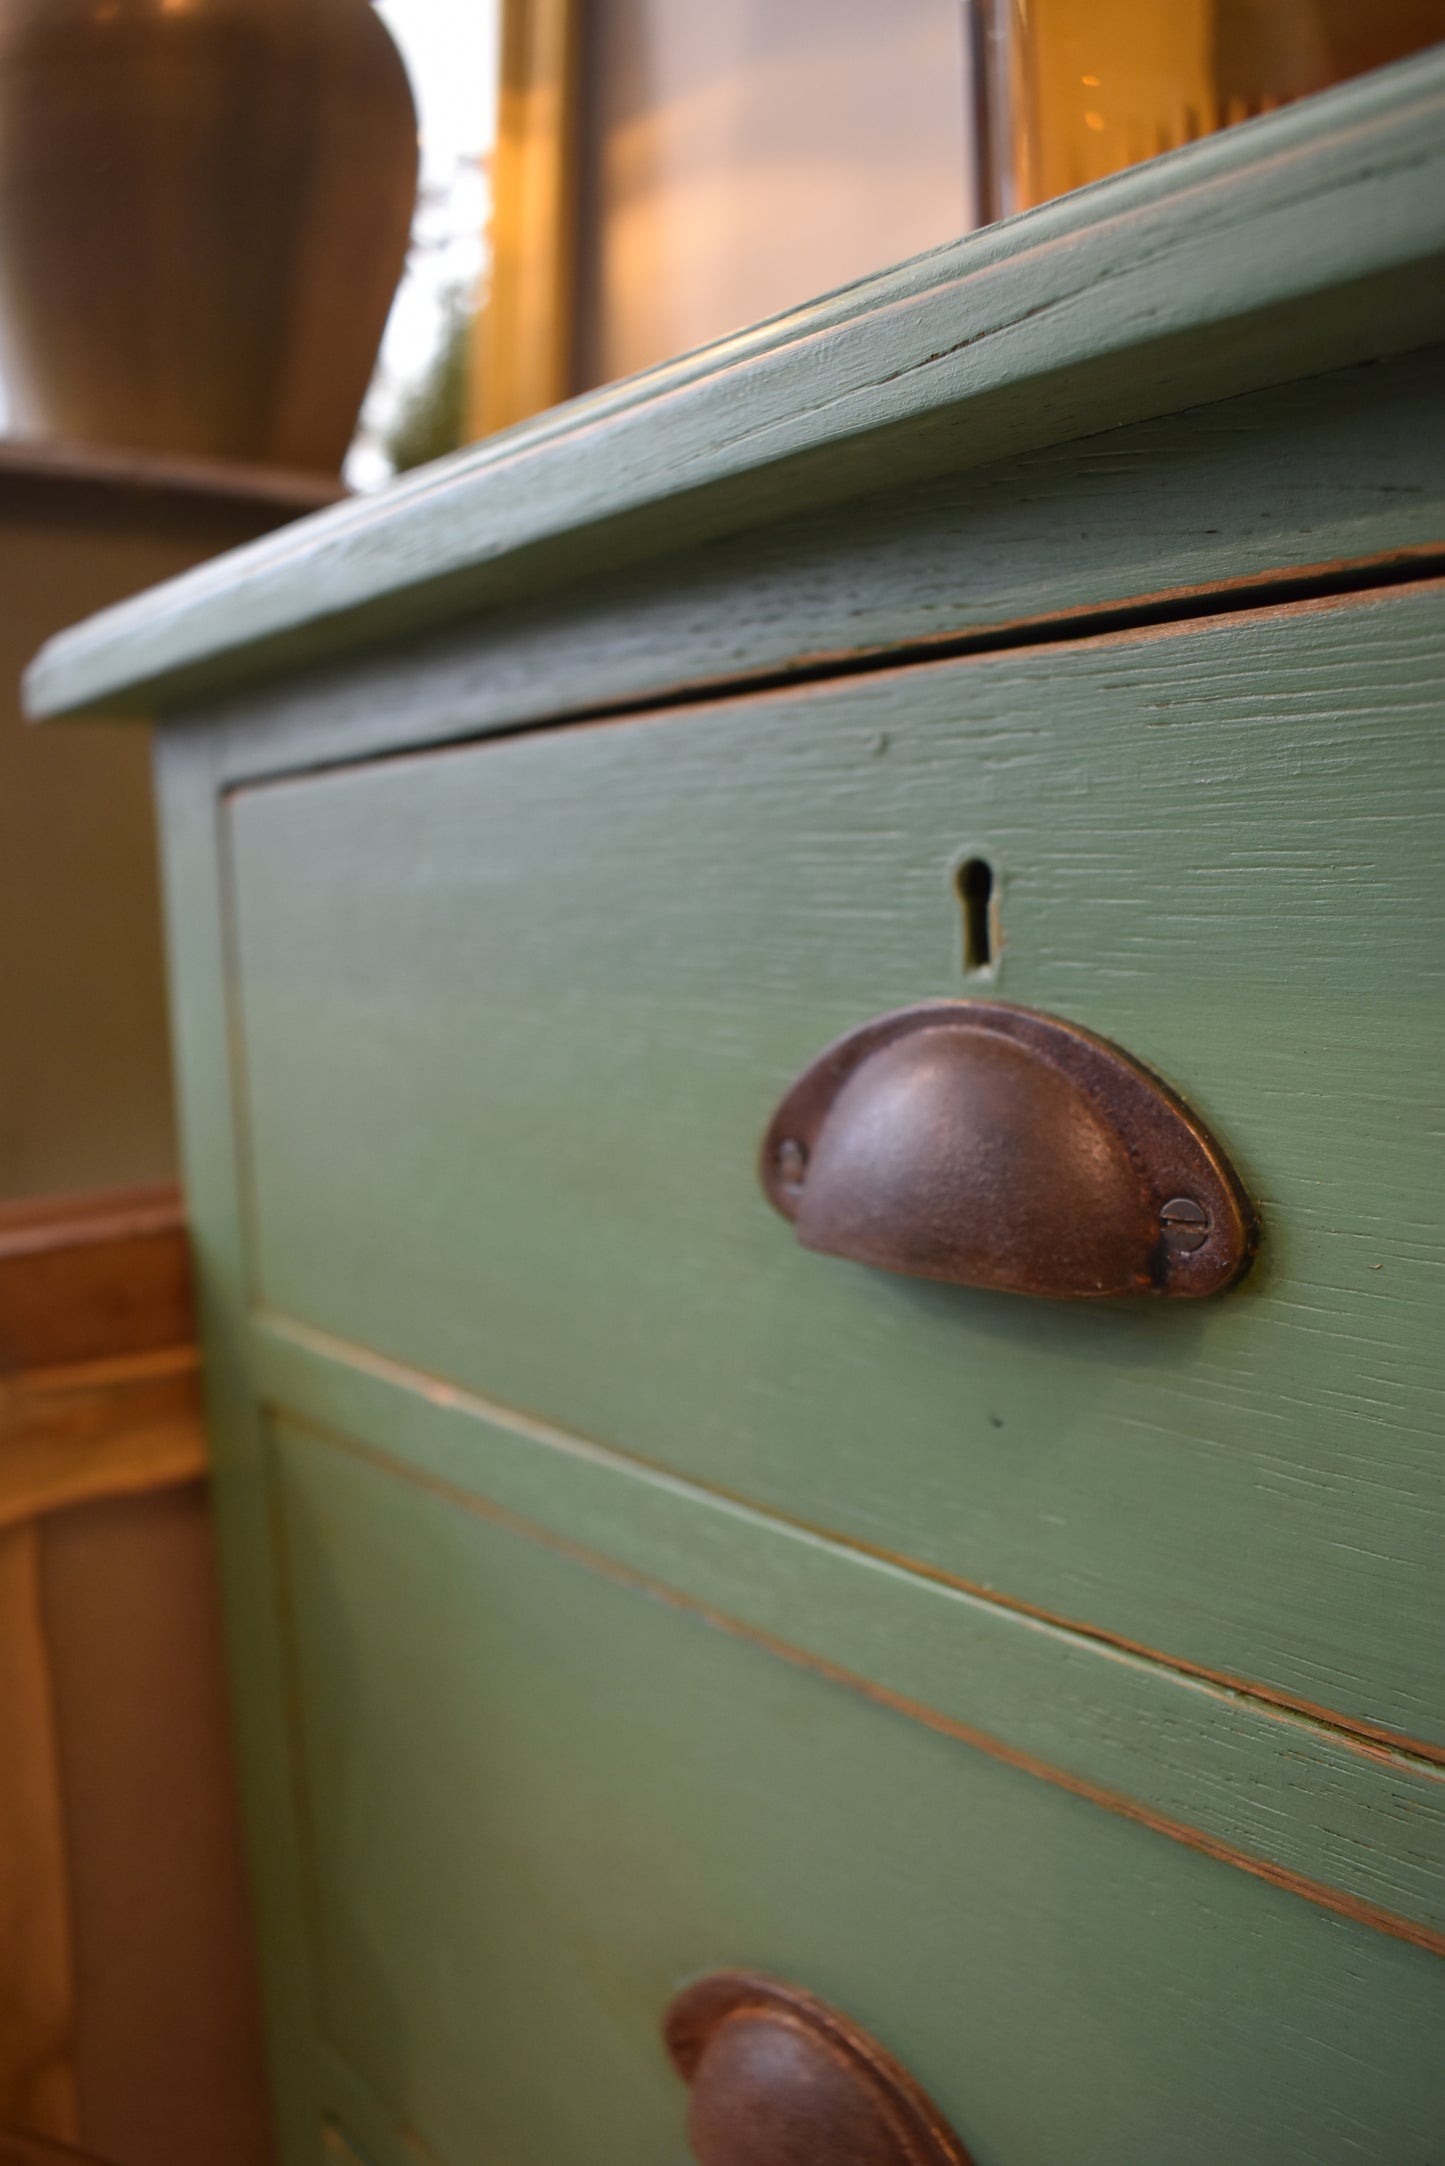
x: 620, y: 1591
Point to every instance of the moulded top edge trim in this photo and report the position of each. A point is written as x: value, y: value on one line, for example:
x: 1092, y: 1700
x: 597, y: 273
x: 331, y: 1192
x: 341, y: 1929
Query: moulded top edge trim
x: 1286, y: 246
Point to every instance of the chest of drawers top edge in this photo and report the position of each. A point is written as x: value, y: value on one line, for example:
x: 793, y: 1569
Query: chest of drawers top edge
x: 1308, y: 242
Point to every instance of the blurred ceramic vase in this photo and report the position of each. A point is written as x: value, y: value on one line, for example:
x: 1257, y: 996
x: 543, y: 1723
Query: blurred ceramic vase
x: 204, y: 212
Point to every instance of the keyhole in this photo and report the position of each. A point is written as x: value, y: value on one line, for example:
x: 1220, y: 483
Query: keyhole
x: 974, y: 882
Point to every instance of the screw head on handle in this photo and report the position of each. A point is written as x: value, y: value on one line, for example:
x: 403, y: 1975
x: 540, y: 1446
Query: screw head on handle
x: 791, y: 1160
x: 1187, y: 1225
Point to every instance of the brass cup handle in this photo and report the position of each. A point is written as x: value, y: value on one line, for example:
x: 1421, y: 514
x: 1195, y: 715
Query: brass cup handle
x: 780, y: 2079
x: 992, y: 1146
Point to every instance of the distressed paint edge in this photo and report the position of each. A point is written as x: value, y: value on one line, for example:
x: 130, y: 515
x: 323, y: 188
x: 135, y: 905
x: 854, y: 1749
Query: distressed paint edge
x: 190, y: 840
x: 1339, y: 1901
x: 1040, y: 298
x: 236, y: 778
x: 245, y: 760
x: 339, y: 1401
x: 278, y: 1334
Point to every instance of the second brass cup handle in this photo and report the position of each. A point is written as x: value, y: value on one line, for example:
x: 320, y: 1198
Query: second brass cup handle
x: 993, y: 1146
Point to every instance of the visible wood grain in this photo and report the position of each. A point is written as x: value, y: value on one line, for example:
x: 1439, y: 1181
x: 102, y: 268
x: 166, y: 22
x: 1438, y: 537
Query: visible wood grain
x: 512, y: 1019
x: 94, y: 1429
x: 518, y: 1858
x: 1334, y: 479
x: 99, y: 1402
x: 86, y: 1278
x: 1365, y: 1833
x: 473, y: 1071
x: 1308, y: 240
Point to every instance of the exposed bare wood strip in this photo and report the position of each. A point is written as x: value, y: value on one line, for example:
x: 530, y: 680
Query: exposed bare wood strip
x: 1327, y: 1898
x: 1385, y: 1747
x: 86, y: 1277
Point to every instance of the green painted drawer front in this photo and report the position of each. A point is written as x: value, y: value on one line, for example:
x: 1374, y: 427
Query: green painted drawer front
x: 564, y: 978
x: 538, y: 1800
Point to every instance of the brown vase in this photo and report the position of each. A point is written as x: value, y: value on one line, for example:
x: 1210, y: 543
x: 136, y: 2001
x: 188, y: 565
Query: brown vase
x: 204, y: 211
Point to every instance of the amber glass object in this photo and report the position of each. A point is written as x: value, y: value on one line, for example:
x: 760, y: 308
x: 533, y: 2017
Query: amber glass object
x: 1075, y: 89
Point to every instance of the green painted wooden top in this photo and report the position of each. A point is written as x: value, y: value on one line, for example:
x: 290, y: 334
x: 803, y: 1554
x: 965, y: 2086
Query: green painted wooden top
x: 1304, y: 241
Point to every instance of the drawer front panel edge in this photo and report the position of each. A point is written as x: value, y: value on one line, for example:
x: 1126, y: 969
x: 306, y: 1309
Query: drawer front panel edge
x: 537, y: 1802
x: 566, y: 976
